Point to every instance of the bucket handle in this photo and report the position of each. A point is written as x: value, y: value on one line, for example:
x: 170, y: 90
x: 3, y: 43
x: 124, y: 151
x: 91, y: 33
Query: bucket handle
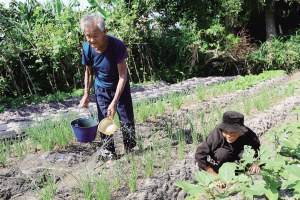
x: 88, y: 110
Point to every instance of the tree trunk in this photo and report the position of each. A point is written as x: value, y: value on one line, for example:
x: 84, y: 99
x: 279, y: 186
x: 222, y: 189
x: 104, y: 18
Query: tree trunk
x: 13, y: 79
x: 270, y: 20
x: 26, y: 73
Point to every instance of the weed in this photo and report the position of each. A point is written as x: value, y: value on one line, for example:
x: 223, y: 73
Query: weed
x: 167, y: 155
x: 87, y: 189
x: 118, y: 173
x: 181, y: 149
x: 176, y: 100
x: 290, y: 90
x: 145, y: 109
x: 20, y: 148
x: 248, y: 105
x: 200, y: 93
x: 241, y: 83
x: 49, y: 189
x: 3, y: 153
x: 140, y: 142
x: 50, y: 134
x: 132, y: 181
x: 17, y: 102
x: 102, y: 189
x: 149, y: 163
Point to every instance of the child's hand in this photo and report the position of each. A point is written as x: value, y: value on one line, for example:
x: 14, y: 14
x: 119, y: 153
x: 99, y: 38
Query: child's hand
x: 254, y: 169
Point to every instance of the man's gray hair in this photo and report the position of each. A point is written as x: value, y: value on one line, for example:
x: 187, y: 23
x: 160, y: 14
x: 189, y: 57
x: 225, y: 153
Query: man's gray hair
x: 91, y: 20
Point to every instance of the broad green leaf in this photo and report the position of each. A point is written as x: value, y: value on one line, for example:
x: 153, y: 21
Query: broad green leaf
x: 242, y: 178
x: 191, y: 189
x: 293, y: 170
x: 286, y: 183
x: 291, y: 175
x: 58, y: 6
x: 276, y: 164
x: 248, y: 156
x: 204, y: 178
x: 258, y: 188
x: 296, y: 187
x: 271, y: 186
x: 265, y: 154
x: 103, y: 12
x: 289, y: 144
x: 93, y: 3
x: 227, y: 171
x: 272, y: 194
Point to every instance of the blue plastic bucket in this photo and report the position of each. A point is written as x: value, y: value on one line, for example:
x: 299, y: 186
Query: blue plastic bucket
x: 85, y: 129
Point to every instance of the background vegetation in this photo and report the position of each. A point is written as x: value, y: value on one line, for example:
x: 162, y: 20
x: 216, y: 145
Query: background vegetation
x: 40, y: 44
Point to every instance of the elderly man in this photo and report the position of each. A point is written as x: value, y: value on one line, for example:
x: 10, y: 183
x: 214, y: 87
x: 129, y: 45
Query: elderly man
x: 104, y: 57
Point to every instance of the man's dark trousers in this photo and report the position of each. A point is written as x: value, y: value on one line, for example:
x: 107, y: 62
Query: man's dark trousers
x: 125, y: 112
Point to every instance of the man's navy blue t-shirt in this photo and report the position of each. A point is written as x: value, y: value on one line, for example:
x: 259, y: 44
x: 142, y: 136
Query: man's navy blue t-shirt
x: 105, y: 64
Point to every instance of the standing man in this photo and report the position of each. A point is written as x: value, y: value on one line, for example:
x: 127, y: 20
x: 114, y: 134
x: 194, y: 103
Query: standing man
x: 104, y: 57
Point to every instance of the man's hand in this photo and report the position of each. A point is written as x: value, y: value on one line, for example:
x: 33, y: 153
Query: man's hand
x: 221, y: 184
x: 84, y: 102
x: 111, y: 110
x: 254, y: 169
x: 211, y: 171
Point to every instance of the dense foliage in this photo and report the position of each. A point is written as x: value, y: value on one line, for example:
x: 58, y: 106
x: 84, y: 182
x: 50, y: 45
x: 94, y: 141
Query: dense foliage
x: 40, y: 45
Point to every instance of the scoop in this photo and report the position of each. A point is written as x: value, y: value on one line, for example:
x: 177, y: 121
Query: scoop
x: 107, y: 126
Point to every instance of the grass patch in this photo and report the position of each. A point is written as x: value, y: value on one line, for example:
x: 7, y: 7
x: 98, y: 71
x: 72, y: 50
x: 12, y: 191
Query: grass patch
x: 19, y: 149
x: 49, y: 134
x: 17, y: 102
x: 133, y: 176
x: 146, y: 109
x: 280, y: 169
x: 262, y: 101
x: 95, y: 187
x: 46, y: 135
x: 241, y: 83
x: 162, y: 155
x: 87, y: 189
x: 141, y: 85
x: 4, y: 153
x: 181, y: 149
x: 149, y: 163
x: 49, y: 189
x: 102, y: 189
x: 286, y: 138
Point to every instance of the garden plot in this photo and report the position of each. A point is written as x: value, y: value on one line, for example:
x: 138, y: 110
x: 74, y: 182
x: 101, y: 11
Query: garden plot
x: 61, y: 167
x: 149, y: 168
x: 56, y: 134
x: 13, y: 121
x: 279, y: 179
x: 163, y: 186
x: 144, y: 132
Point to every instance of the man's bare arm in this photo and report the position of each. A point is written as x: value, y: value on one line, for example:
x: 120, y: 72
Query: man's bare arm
x: 88, y: 75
